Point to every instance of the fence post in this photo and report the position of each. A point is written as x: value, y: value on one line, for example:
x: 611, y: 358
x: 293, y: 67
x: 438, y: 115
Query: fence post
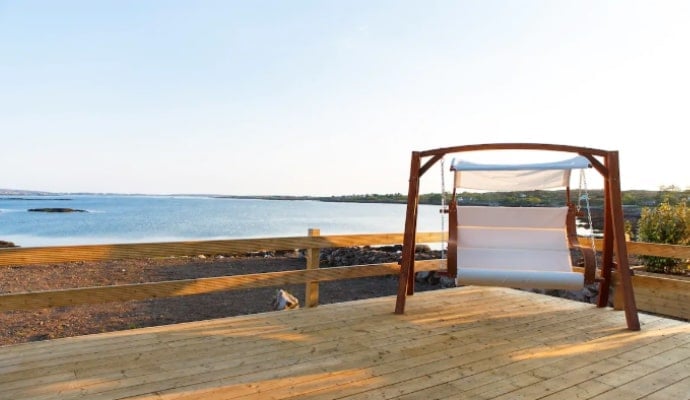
x: 313, y: 261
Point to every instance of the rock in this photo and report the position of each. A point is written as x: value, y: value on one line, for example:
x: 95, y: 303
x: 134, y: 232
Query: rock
x: 284, y: 301
x: 423, y: 276
x: 588, y: 294
x: 56, y: 210
x: 391, y: 249
x: 264, y: 254
x: 422, y: 248
x: 428, y: 277
x: 370, y: 255
x: 283, y: 253
x: 5, y: 244
x: 447, y: 281
x: 591, y: 291
x: 39, y: 337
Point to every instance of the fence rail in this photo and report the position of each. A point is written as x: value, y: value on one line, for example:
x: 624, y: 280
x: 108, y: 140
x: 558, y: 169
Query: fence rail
x: 648, y: 249
x: 44, y: 255
x: 656, y: 293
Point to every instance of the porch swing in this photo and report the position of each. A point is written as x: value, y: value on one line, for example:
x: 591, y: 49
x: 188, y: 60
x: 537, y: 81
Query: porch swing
x: 523, y: 247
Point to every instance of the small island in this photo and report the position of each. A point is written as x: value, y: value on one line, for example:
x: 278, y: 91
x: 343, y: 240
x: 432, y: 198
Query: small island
x: 56, y: 210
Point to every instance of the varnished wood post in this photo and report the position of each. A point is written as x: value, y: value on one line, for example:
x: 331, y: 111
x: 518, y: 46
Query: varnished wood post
x: 411, y: 273
x: 452, y: 257
x: 607, y: 246
x: 407, y: 261
x: 621, y: 249
x: 313, y: 262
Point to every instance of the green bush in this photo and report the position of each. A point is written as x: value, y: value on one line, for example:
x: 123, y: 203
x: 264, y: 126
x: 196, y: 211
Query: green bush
x: 667, y: 223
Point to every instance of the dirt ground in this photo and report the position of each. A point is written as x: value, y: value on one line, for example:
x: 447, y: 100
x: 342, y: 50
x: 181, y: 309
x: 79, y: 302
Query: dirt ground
x: 27, y: 326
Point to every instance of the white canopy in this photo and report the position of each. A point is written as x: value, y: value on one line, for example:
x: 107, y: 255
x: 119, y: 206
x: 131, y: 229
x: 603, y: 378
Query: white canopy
x: 515, y: 177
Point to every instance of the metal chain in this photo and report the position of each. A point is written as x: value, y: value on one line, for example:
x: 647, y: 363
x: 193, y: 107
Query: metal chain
x: 579, y: 190
x: 443, y: 205
x: 583, y: 180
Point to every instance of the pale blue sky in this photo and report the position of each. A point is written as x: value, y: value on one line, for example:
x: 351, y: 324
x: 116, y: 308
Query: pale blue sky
x: 330, y: 97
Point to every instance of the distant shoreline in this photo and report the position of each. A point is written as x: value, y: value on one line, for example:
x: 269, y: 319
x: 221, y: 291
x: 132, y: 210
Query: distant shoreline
x: 28, y: 199
x: 327, y: 199
x: 641, y: 198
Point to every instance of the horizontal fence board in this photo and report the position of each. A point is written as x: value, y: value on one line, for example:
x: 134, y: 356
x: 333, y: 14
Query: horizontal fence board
x: 662, y: 306
x: 645, y: 248
x: 187, y: 287
x: 659, y: 250
x: 662, y: 285
x: 47, y: 255
x: 661, y: 295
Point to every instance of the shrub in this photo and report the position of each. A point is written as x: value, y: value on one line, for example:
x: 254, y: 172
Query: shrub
x: 668, y: 224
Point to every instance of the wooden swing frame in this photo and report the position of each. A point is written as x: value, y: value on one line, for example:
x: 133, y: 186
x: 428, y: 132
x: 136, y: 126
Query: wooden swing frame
x: 603, y: 161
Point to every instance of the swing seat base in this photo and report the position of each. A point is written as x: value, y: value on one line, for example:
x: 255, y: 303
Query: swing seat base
x: 520, y: 279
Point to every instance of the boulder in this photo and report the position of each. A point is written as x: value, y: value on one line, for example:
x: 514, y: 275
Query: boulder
x: 284, y: 301
x: 371, y: 255
x: 56, y: 210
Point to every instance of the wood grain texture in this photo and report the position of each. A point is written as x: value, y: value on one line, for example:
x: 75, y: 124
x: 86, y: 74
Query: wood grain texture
x: 663, y: 295
x: 645, y: 248
x: 313, y: 261
x: 48, y: 255
x: 460, y: 343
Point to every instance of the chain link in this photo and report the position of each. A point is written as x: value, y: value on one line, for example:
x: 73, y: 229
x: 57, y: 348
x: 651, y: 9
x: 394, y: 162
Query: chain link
x: 443, y: 206
x: 583, y: 182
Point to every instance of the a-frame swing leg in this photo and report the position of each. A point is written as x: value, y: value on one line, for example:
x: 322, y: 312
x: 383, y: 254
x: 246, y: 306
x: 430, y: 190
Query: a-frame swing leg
x: 621, y: 249
x: 614, y: 241
x: 607, y: 250
x: 406, y: 279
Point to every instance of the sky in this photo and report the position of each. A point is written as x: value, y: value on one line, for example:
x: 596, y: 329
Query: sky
x: 330, y: 97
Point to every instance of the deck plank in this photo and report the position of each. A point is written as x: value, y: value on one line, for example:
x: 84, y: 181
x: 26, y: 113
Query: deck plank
x: 461, y: 343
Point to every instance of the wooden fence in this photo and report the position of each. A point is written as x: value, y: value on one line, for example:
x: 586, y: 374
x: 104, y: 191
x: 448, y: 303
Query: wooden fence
x: 655, y: 293
x: 28, y: 257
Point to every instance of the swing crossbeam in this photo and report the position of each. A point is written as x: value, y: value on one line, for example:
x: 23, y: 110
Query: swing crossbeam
x: 484, y: 254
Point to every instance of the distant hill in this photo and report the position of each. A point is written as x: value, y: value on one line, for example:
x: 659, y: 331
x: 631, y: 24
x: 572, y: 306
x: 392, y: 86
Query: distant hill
x: 535, y: 198
x: 18, y: 192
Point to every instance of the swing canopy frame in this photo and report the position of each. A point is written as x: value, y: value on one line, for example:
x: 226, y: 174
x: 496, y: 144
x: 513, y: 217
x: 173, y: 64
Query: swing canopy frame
x: 532, y: 176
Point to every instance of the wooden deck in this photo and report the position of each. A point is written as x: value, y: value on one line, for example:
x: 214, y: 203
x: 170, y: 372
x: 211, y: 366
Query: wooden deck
x: 465, y: 343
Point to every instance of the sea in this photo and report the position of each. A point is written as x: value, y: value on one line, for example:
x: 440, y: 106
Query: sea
x: 111, y: 219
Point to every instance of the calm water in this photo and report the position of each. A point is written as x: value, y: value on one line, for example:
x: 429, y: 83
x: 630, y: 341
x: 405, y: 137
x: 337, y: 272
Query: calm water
x: 127, y: 219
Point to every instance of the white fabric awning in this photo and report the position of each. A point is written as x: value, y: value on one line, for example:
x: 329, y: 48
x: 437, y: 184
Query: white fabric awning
x: 515, y: 177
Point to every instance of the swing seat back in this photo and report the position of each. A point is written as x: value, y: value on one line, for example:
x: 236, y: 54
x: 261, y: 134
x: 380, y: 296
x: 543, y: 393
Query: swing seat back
x: 521, y: 247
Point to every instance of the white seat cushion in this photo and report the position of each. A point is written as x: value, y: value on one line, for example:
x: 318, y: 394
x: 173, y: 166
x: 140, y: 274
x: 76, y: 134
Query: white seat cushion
x: 514, y: 259
x: 512, y: 238
x: 517, y: 217
x: 524, y: 247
